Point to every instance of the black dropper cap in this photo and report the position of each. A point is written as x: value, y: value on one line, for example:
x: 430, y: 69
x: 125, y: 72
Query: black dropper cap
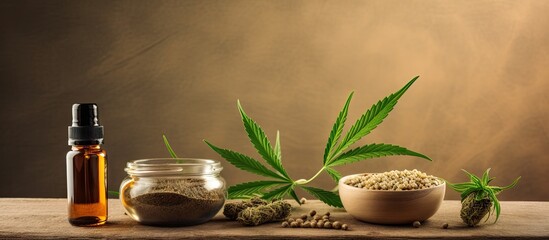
x: 85, y: 129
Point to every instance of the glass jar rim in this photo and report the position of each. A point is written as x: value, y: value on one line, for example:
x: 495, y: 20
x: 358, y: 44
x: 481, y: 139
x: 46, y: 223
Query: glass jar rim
x: 173, y: 166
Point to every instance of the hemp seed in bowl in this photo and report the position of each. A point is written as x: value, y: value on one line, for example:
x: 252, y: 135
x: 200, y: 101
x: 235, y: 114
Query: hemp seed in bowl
x: 395, y: 181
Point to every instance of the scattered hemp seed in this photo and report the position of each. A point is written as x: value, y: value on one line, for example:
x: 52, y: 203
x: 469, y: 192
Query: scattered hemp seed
x: 320, y: 224
x: 315, y: 221
x: 416, y: 224
x: 303, y: 200
x: 336, y: 225
x: 445, y: 226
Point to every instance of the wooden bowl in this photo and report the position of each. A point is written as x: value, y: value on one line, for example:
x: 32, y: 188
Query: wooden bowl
x: 390, y: 207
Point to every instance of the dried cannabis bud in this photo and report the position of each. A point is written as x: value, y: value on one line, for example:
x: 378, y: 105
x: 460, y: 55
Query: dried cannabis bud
x: 478, y: 198
x: 232, y: 210
x: 276, y: 211
x: 472, y: 210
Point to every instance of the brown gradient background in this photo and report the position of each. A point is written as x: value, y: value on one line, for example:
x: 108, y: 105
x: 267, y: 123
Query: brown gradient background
x: 178, y: 67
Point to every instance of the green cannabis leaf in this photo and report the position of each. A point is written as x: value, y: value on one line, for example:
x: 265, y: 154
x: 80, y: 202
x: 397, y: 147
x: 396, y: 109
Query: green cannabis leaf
x: 262, y: 144
x: 373, y: 151
x: 334, y: 153
x: 327, y: 197
x: 369, y: 120
x: 333, y: 173
x: 337, y: 129
x: 250, y: 189
x: 279, y: 192
x: 170, y: 150
x: 244, y: 162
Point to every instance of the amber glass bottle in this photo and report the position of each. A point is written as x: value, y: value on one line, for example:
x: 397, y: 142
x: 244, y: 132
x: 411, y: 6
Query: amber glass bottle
x: 86, y: 168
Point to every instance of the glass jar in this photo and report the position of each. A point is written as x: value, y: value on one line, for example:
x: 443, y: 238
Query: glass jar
x: 173, y: 192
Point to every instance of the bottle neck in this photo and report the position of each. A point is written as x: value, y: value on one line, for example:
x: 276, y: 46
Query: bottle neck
x: 80, y: 147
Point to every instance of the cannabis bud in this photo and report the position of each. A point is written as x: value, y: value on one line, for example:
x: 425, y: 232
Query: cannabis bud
x: 478, y: 198
x: 472, y: 211
x: 275, y: 211
x: 231, y: 210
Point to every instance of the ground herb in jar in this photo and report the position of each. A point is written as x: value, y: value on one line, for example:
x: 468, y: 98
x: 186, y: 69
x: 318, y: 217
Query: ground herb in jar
x: 177, y: 203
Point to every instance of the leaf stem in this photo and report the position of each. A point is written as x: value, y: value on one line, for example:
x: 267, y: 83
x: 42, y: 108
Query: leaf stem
x: 303, y: 181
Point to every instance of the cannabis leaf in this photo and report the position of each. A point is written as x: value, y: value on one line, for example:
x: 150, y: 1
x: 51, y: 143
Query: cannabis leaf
x: 277, y: 149
x: 273, y: 157
x: 294, y: 195
x: 279, y: 192
x: 370, y: 120
x: 333, y: 173
x: 334, y: 154
x: 337, y: 129
x: 261, y: 143
x: 373, y: 151
x: 244, y: 162
x: 250, y: 189
x: 327, y: 197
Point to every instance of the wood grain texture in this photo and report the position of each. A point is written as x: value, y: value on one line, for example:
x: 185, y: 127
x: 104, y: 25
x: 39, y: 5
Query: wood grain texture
x: 46, y: 219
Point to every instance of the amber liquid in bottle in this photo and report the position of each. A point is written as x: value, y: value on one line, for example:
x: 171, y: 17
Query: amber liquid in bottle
x: 86, y: 168
x: 87, y: 186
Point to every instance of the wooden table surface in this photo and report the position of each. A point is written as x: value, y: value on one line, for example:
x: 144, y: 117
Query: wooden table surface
x: 47, y: 219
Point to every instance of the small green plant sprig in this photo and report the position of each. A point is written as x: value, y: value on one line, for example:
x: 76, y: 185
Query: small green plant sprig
x: 477, y: 197
x: 335, y: 154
